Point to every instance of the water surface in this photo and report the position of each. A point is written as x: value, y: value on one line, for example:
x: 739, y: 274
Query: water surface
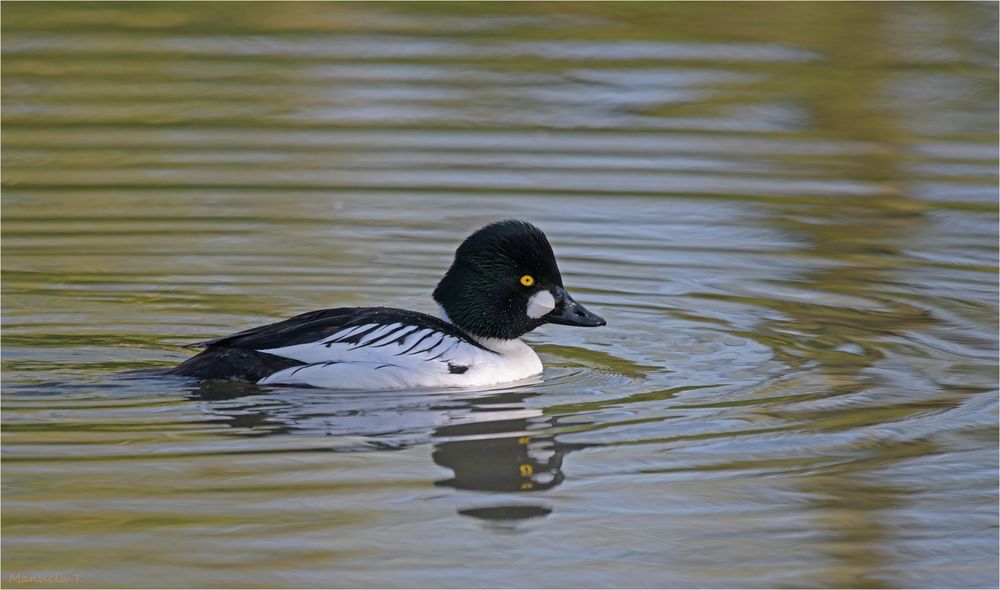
x: 786, y: 212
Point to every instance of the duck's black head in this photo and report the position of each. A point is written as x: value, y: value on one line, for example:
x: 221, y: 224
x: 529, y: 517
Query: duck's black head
x: 505, y: 282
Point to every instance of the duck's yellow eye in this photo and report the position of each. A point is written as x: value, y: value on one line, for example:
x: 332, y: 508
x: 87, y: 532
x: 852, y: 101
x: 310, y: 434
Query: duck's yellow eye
x: 527, y: 280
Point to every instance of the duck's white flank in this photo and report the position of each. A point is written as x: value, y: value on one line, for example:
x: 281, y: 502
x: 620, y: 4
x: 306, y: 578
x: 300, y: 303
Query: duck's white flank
x: 398, y: 356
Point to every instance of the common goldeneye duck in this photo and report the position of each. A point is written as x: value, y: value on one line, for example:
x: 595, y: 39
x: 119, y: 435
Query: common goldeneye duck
x: 503, y: 283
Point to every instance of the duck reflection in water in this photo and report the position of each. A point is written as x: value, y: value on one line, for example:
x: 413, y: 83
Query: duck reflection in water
x: 491, y: 441
x: 512, y: 455
x: 508, y: 464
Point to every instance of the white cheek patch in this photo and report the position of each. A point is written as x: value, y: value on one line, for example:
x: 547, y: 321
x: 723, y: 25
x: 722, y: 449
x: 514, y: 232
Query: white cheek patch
x: 540, y: 304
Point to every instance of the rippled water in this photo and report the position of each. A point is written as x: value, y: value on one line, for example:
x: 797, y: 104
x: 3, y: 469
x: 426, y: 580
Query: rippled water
x: 786, y: 212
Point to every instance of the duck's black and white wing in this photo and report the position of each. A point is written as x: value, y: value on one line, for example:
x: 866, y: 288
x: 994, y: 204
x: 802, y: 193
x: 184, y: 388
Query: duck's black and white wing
x: 381, y: 348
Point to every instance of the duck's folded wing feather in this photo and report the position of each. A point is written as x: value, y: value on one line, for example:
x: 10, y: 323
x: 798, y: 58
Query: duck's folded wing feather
x: 359, y: 335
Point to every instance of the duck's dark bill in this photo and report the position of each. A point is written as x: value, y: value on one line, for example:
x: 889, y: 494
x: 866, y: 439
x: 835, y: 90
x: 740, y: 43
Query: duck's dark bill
x: 570, y: 313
